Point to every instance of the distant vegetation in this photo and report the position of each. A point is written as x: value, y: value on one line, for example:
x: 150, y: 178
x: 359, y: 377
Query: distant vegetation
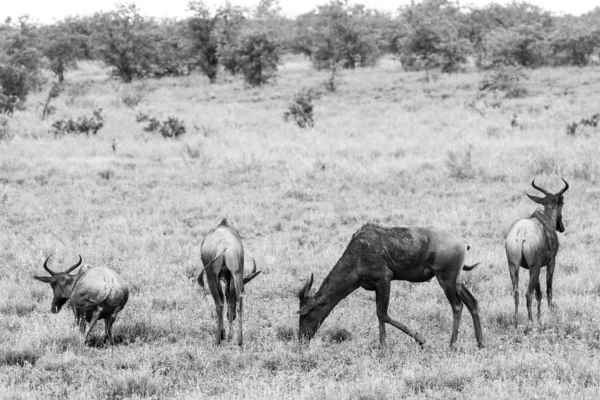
x: 432, y: 34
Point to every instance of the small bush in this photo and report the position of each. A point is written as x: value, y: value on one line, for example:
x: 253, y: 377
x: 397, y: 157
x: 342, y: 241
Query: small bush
x: 592, y: 122
x: 170, y: 128
x: 5, y: 133
x: 460, y: 164
x: 131, y: 100
x: 301, y: 108
x: 506, y: 79
x: 83, y: 124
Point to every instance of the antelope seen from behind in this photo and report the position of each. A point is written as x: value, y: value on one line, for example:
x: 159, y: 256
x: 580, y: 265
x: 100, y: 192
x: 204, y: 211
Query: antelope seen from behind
x: 223, y: 259
x: 95, y: 293
x: 532, y: 243
x: 376, y: 256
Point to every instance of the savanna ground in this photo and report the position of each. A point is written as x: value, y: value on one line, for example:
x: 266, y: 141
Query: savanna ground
x: 387, y: 147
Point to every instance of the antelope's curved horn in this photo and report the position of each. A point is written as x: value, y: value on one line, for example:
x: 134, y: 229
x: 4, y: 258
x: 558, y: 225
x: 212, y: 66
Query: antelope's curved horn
x: 565, y: 188
x: 547, y: 193
x: 74, y: 266
x: 47, y: 268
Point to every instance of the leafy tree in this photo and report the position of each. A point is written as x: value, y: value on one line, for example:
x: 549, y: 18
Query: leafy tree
x: 20, y: 64
x: 338, y: 34
x: 431, y: 35
x: 171, y: 50
x: 124, y: 41
x: 62, y: 48
x: 13, y: 88
x: 258, y: 57
x: 211, y: 34
x: 512, y: 34
x: 574, y: 42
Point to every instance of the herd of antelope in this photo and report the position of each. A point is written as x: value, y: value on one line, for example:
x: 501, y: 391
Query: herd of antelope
x: 374, y: 257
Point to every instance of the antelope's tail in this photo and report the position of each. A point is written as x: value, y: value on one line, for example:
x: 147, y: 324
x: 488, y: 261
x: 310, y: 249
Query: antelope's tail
x: 201, y: 275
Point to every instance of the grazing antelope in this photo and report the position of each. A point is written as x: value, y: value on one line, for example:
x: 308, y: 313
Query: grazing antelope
x: 376, y: 256
x: 223, y: 259
x: 95, y: 293
x: 532, y: 243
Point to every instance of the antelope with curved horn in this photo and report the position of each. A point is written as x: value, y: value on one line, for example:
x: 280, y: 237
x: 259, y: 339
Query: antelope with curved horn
x: 95, y: 293
x: 222, y: 254
x: 376, y: 256
x: 532, y: 243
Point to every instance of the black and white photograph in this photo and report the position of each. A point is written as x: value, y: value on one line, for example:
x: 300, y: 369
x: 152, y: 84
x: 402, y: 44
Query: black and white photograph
x: 300, y: 200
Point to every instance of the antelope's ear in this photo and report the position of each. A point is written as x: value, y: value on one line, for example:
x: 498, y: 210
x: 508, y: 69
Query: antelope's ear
x: 303, y: 293
x: 45, y: 279
x: 538, y: 200
x: 306, y: 308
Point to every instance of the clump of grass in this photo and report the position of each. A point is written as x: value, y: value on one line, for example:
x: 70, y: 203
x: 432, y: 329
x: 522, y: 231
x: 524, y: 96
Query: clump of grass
x: 106, y: 174
x: 18, y: 308
x: 506, y: 79
x: 338, y: 335
x: 285, y: 333
x: 544, y: 164
x: 425, y: 382
x: 460, y: 164
x: 131, y: 100
x: 5, y: 133
x: 19, y: 357
x: 137, y: 385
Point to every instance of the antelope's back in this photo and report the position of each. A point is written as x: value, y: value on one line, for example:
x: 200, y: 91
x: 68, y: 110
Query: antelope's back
x: 224, y: 235
x: 100, y: 286
x: 408, y: 245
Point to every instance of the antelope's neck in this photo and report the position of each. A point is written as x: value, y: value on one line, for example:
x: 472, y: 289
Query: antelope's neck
x: 70, y: 286
x: 337, y: 286
x: 547, y: 217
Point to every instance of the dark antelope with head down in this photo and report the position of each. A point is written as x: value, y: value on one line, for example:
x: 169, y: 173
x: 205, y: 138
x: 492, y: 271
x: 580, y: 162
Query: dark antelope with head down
x: 95, y: 293
x: 223, y: 259
x: 532, y: 243
x: 376, y: 256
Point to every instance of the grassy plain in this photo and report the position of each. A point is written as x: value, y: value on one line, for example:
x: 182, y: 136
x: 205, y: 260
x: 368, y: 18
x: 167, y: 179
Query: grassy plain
x: 387, y: 147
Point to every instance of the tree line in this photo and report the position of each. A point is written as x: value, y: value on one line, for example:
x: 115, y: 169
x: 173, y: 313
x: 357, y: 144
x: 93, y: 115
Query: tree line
x: 428, y: 35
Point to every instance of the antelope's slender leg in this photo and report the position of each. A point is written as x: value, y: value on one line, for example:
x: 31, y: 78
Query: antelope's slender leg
x: 95, y: 316
x: 538, y: 297
x: 534, y: 279
x: 382, y: 293
x: 449, y: 287
x: 217, y: 293
x: 549, y: 276
x: 514, y: 277
x: 469, y: 300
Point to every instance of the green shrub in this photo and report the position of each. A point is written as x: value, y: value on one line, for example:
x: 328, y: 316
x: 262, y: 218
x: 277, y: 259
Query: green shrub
x: 506, y: 79
x: 13, y: 88
x: 170, y: 128
x: 301, y: 108
x: 84, y: 124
